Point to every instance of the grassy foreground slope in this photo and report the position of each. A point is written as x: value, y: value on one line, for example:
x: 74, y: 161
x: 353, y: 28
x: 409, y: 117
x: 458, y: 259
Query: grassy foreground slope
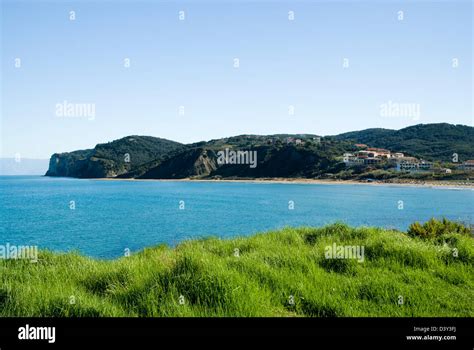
x: 270, y: 268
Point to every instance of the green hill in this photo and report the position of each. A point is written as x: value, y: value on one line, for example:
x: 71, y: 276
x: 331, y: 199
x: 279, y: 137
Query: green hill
x: 282, y: 155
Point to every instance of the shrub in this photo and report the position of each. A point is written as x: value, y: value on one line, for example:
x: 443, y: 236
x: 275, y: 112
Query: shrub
x: 434, y: 228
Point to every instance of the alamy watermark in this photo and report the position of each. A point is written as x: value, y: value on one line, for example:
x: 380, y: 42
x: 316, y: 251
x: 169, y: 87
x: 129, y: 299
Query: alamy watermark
x: 344, y: 252
x: 11, y: 251
x: 67, y: 109
x: 392, y: 109
x: 237, y: 157
x: 37, y: 333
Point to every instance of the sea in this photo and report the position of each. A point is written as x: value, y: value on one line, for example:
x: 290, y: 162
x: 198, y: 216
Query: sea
x: 107, y: 219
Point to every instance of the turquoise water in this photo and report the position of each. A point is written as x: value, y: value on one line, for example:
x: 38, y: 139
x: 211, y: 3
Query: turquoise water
x: 110, y: 216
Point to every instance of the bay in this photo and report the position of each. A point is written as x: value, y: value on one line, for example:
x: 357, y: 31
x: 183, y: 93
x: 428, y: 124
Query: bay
x: 108, y: 217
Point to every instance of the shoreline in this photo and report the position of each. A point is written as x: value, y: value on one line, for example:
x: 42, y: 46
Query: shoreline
x: 304, y: 181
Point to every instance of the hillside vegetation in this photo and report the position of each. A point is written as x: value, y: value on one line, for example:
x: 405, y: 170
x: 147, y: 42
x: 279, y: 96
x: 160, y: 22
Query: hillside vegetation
x: 279, y: 273
x: 277, y: 156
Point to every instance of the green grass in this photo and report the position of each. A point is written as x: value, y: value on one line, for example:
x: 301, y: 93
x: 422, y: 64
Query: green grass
x: 270, y: 268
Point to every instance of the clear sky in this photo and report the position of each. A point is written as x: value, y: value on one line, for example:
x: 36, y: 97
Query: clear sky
x: 190, y: 63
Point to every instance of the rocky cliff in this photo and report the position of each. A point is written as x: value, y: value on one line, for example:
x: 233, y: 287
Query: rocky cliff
x: 112, y: 159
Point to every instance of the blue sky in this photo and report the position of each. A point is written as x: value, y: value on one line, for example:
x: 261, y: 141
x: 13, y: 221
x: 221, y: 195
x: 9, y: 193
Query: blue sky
x: 190, y: 63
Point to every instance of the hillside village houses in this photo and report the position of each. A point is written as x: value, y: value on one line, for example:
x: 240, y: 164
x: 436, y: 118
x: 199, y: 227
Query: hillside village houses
x: 292, y: 140
x: 370, y: 156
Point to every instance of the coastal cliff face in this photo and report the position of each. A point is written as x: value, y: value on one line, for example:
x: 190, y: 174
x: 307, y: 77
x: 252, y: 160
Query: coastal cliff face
x: 190, y: 163
x: 90, y: 167
x: 68, y: 164
x: 112, y: 159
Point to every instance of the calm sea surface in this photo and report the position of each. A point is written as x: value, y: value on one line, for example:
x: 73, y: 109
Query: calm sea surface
x: 110, y: 216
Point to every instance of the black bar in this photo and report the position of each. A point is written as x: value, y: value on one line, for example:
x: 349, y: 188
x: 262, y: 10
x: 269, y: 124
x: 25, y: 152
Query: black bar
x: 121, y: 331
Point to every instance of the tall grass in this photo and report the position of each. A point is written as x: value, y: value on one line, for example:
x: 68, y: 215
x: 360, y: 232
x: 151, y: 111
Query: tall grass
x: 280, y: 273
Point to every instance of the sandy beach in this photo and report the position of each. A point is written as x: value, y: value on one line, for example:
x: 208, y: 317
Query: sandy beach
x: 412, y: 183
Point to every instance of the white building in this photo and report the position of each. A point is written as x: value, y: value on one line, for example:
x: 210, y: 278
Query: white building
x: 468, y: 165
x: 412, y: 164
x: 397, y: 155
x: 350, y: 159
